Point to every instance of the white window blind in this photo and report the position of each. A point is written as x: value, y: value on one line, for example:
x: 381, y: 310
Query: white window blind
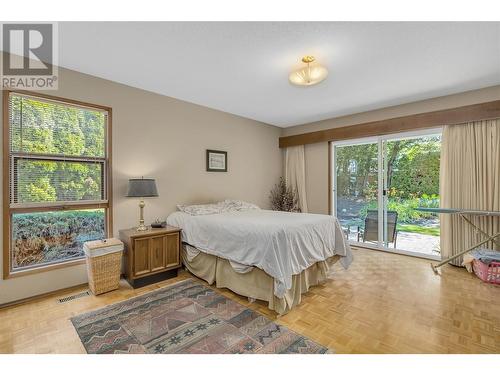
x: 57, y: 153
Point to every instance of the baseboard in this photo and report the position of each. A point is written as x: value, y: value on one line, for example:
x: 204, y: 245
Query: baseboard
x: 43, y: 295
x: 39, y: 296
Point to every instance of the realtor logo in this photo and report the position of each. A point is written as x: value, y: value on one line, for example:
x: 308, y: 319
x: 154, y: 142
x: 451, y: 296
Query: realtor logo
x: 29, y: 56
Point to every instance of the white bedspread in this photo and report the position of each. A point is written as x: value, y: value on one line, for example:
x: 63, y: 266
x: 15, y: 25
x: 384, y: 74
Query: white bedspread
x: 280, y: 243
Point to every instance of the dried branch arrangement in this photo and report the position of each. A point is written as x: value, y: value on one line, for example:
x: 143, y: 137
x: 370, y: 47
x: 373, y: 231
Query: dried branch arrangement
x: 284, y: 198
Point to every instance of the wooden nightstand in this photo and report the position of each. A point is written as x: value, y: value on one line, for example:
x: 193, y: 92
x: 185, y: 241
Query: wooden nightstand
x: 151, y: 255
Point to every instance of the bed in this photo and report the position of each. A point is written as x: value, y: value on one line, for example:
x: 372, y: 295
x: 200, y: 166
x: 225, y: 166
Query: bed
x: 266, y: 255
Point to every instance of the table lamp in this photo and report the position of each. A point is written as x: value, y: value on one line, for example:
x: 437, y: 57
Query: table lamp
x: 142, y: 188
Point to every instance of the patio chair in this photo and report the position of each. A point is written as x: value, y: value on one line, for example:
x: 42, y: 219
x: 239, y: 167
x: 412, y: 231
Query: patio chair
x: 370, y: 232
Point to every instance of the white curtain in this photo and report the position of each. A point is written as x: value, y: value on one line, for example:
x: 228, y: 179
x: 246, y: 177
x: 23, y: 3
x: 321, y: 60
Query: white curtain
x: 295, y: 173
x: 470, y: 179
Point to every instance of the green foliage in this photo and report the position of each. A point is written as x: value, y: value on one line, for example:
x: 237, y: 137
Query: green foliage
x: 52, y: 128
x: 416, y: 167
x: 412, y: 168
x: 44, y: 237
x: 357, y: 170
x: 39, y: 191
x: 406, y: 207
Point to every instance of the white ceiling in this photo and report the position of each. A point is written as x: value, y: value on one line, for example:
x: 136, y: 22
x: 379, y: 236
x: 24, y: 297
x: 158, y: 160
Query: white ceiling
x: 243, y: 68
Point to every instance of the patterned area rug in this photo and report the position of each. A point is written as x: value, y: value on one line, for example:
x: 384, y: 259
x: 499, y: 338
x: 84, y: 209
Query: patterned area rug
x: 186, y: 317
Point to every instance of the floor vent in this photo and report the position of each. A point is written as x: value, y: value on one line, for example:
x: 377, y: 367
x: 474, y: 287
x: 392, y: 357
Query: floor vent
x: 74, y: 296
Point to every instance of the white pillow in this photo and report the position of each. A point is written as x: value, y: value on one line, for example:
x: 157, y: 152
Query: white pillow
x: 230, y: 205
x: 201, y: 209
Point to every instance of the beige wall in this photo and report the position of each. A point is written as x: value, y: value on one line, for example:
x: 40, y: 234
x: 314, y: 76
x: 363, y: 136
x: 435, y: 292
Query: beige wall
x: 164, y: 138
x: 317, y: 154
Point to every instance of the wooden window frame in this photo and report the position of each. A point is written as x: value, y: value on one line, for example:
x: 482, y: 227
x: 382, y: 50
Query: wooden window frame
x: 64, y: 206
x: 427, y: 120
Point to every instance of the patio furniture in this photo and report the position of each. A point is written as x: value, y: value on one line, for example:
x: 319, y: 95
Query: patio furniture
x: 463, y: 214
x: 370, y: 231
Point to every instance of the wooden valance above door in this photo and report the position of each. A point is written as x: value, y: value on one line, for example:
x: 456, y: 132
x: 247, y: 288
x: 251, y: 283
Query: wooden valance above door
x: 459, y: 115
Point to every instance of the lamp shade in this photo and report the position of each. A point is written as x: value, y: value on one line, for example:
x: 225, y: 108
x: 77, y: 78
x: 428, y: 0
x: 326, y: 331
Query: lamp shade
x: 142, y: 187
x: 309, y: 75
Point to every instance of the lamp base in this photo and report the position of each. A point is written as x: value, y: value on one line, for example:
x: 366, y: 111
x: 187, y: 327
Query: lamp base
x: 141, y: 228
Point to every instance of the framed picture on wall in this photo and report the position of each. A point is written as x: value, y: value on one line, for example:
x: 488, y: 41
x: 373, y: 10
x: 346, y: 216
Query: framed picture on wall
x: 216, y: 161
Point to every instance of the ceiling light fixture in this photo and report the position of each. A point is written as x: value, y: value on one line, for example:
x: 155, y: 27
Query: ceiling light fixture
x: 311, y: 74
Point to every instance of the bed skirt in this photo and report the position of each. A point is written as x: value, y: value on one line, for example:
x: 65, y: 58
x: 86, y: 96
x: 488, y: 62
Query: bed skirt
x: 256, y: 283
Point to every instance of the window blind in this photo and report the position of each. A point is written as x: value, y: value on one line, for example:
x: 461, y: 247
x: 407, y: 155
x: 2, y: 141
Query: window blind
x: 57, y: 152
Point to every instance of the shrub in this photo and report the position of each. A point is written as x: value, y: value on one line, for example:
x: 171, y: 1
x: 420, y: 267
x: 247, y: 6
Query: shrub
x: 48, y: 236
x: 406, y: 207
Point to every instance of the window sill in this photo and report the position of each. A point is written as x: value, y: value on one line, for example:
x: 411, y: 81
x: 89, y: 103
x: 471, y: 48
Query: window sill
x: 46, y: 268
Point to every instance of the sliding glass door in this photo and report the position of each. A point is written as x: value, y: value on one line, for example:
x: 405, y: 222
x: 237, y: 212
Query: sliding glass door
x: 380, y: 183
x: 357, y: 189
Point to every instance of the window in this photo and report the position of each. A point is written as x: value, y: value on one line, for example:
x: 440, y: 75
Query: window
x: 56, y: 170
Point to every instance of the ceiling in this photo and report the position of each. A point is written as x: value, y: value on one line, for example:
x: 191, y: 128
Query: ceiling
x: 242, y: 68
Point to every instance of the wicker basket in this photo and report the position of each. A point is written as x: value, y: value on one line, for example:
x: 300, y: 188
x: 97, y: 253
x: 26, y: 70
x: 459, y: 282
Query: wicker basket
x: 103, y: 265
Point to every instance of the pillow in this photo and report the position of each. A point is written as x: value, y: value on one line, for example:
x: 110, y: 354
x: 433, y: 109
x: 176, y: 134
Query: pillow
x: 230, y: 205
x: 201, y: 209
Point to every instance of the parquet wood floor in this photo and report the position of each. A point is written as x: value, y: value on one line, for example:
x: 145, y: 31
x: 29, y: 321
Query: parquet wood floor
x: 384, y: 303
